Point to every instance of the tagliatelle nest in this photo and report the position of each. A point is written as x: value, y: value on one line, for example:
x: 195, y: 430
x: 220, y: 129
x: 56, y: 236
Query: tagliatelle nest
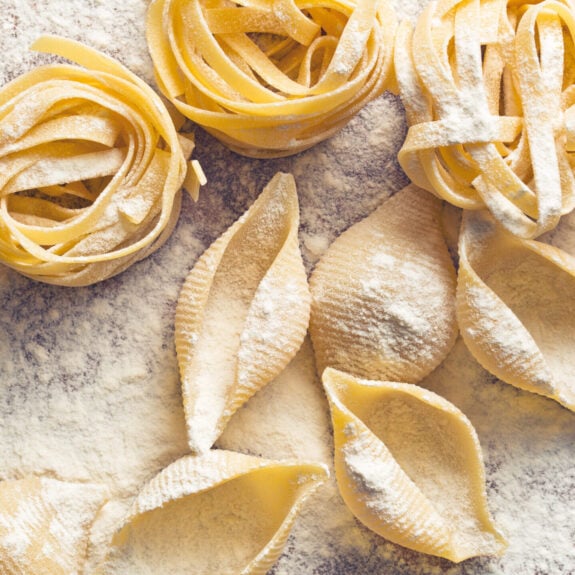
x: 91, y: 168
x: 489, y: 92
x: 270, y: 78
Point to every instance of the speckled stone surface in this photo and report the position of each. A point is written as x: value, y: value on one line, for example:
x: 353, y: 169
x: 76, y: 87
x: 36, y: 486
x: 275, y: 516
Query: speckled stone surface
x: 78, y: 366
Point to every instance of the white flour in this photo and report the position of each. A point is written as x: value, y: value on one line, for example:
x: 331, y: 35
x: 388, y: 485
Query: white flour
x: 89, y: 387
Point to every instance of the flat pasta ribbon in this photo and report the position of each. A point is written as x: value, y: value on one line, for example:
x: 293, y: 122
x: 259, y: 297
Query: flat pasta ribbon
x: 516, y: 308
x: 488, y: 87
x: 91, y: 168
x: 219, y: 512
x: 408, y: 465
x: 383, y: 295
x: 270, y: 78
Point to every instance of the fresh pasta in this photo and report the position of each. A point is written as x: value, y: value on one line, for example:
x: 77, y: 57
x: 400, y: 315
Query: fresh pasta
x: 242, y: 313
x: 516, y: 308
x: 91, y: 168
x: 221, y: 512
x: 409, y: 466
x: 488, y: 88
x: 271, y: 78
x: 51, y: 520
x: 383, y: 295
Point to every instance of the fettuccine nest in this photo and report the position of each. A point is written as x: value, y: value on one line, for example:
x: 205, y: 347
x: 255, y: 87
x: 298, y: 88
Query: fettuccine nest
x: 271, y: 78
x: 91, y: 169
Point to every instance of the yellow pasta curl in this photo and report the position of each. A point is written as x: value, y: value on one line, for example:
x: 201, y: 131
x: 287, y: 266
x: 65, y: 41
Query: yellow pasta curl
x: 270, y: 78
x: 91, y: 168
x: 489, y: 92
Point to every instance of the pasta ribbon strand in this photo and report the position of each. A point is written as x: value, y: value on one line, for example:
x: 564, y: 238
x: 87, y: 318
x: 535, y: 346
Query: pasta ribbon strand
x: 488, y: 107
x: 271, y: 78
x: 91, y: 168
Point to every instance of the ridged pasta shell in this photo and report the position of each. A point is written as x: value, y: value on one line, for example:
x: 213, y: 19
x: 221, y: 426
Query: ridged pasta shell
x: 516, y: 308
x: 44, y: 525
x: 219, y: 512
x: 243, y: 312
x: 409, y: 466
x: 383, y: 295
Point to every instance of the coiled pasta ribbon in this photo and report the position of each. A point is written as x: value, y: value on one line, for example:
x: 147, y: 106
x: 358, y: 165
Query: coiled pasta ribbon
x: 91, y: 168
x: 270, y: 78
x: 488, y: 87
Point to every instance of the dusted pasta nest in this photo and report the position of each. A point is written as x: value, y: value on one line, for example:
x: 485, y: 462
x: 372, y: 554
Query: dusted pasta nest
x: 91, y: 168
x: 489, y: 91
x: 271, y: 78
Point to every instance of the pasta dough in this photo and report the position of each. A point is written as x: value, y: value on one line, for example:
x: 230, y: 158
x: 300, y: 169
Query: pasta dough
x: 488, y: 88
x: 243, y: 312
x: 91, y: 168
x: 271, y: 78
x: 221, y: 512
x: 516, y: 308
x: 409, y: 466
x: 383, y: 295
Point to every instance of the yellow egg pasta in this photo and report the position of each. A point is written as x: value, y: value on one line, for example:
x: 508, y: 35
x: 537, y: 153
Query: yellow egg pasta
x: 516, y: 308
x: 91, y: 168
x: 271, y: 78
x: 45, y: 524
x: 488, y: 88
x: 242, y: 313
x: 383, y: 295
x: 409, y: 466
x: 219, y: 512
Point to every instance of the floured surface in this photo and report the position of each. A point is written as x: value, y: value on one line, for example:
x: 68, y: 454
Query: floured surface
x: 89, y: 383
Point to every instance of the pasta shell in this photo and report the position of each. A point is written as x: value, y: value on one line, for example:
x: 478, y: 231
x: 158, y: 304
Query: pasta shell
x: 243, y: 312
x: 44, y: 525
x: 219, y: 512
x: 91, y: 168
x: 383, y: 295
x: 409, y: 466
x: 516, y: 308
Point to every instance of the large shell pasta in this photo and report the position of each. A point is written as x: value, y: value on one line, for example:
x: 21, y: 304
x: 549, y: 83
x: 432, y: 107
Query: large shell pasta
x: 409, y: 466
x: 91, y: 168
x: 220, y: 512
x: 383, y: 295
x: 516, y: 308
x: 242, y: 313
x: 271, y: 78
x: 45, y: 524
x: 489, y: 92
